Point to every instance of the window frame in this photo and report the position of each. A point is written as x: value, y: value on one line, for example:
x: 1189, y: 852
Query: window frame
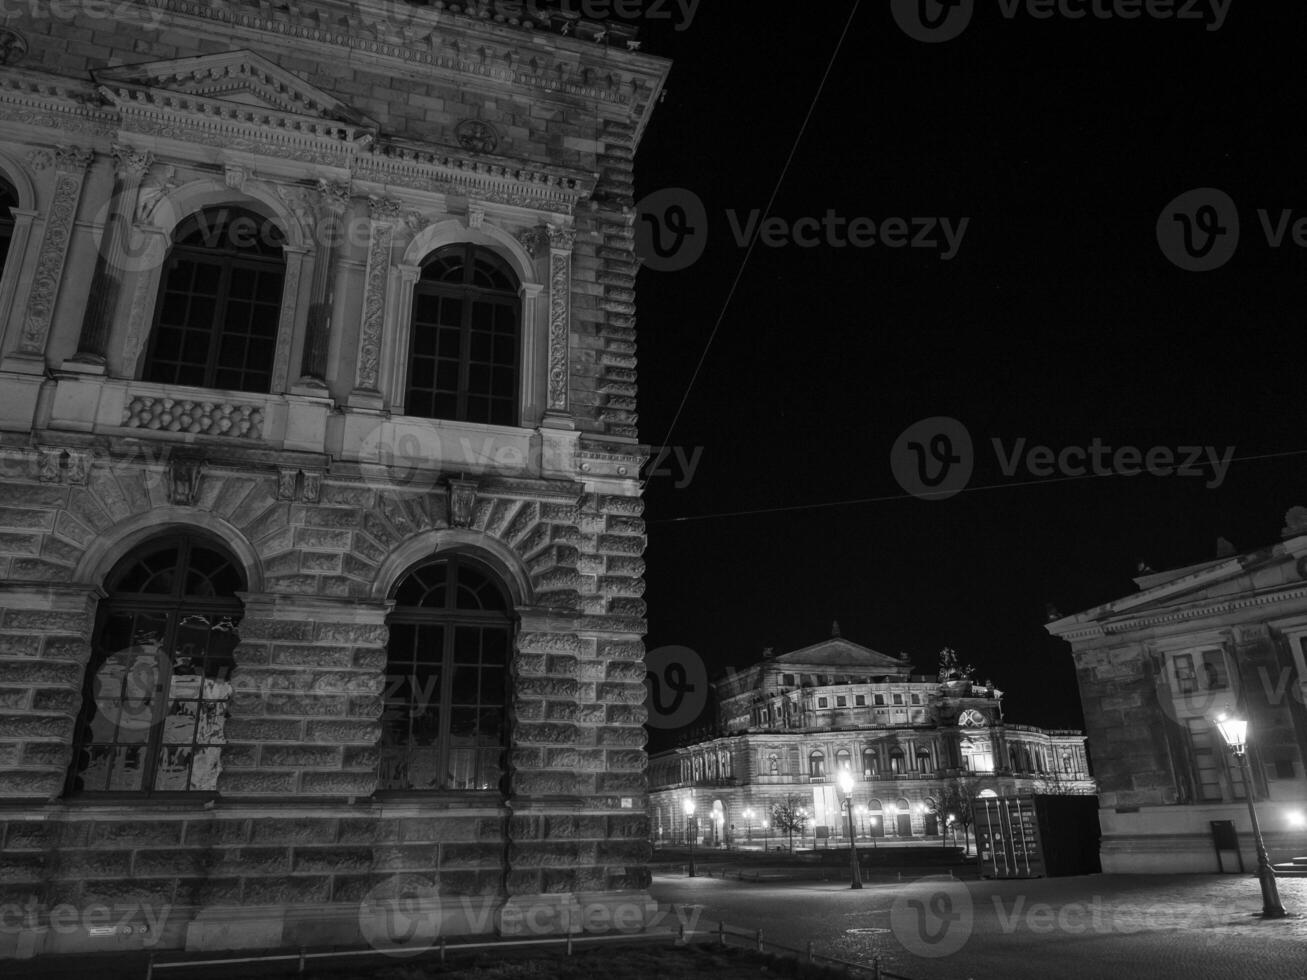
x: 448, y: 620
x: 227, y: 260
x: 173, y: 607
x: 469, y: 295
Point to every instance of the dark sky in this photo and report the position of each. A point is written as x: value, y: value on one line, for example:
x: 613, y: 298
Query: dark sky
x: 1059, y: 321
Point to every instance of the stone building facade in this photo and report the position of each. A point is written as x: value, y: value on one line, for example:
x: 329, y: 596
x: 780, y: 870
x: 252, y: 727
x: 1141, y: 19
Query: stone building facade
x: 787, y: 726
x: 1155, y: 668
x: 320, y: 520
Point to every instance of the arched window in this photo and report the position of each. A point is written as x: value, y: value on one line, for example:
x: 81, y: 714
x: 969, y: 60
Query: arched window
x: 773, y: 764
x: 896, y: 760
x: 843, y: 760
x: 444, y: 722
x: 215, y: 323
x: 465, y: 342
x: 154, y: 707
x: 816, y: 764
x: 8, y: 201
x: 923, y: 761
x: 870, y: 763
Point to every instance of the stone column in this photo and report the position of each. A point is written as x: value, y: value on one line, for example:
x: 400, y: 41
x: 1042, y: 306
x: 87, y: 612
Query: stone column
x: 383, y: 214
x: 130, y: 168
x: 557, y: 402
x: 307, y: 693
x: 45, y: 644
x: 69, y: 165
x: 333, y: 204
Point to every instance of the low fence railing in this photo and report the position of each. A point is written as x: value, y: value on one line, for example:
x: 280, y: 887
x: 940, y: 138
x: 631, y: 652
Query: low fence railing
x: 723, y: 933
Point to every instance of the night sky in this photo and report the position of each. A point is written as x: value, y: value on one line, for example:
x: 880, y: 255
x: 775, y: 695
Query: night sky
x: 1059, y: 321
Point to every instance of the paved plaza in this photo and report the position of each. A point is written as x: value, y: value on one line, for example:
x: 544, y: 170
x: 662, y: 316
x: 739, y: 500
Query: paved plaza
x: 937, y: 928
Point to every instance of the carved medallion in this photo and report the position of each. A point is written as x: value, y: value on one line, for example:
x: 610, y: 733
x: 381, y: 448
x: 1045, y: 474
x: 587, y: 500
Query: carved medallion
x: 13, y: 47
x: 475, y: 136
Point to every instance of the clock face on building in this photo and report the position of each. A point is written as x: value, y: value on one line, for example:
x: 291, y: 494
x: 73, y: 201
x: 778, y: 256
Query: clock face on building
x: 971, y: 718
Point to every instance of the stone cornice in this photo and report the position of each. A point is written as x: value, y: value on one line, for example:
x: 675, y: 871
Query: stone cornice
x: 54, y: 103
x: 498, y: 180
x: 1128, y: 624
x: 428, y: 37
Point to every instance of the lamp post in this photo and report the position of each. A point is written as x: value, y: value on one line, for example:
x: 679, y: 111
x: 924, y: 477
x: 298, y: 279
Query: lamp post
x: 873, y: 818
x: 891, y: 811
x: 689, y: 815
x: 1235, y: 731
x: 846, y: 787
x: 862, y: 819
x: 748, y: 826
x: 765, y: 824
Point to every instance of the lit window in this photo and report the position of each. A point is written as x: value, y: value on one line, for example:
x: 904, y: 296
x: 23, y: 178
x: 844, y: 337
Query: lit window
x: 816, y: 764
x: 219, y: 306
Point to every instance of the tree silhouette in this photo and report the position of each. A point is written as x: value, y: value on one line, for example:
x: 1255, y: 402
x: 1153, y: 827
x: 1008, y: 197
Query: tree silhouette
x: 789, y: 817
x: 955, y: 800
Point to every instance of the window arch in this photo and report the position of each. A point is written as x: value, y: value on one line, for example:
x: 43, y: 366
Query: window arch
x: 843, y: 760
x: 896, y: 765
x: 444, y: 721
x: 154, y: 706
x: 8, y: 201
x: 870, y: 763
x: 219, y: 305
x: 816, y: 763
x: 465, y: 342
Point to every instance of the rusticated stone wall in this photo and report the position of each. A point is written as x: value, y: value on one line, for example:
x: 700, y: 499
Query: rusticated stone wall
x: 295, y: 832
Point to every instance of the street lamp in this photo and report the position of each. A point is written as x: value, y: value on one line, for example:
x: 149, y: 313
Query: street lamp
x: 1235, y: 732
x: 948, y: 826
x: 748, y: 825
x: 872, y: 819
x: 689, y: 815
x: 846, y: 787
x: 891, y: 811
x: 765, y: 824
x: 862, y: 819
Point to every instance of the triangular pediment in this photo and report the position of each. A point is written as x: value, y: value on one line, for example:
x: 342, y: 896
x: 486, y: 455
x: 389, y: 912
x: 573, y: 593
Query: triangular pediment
x: 240, y: 77
x: 1252, y: 578
x: 839, y: 653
